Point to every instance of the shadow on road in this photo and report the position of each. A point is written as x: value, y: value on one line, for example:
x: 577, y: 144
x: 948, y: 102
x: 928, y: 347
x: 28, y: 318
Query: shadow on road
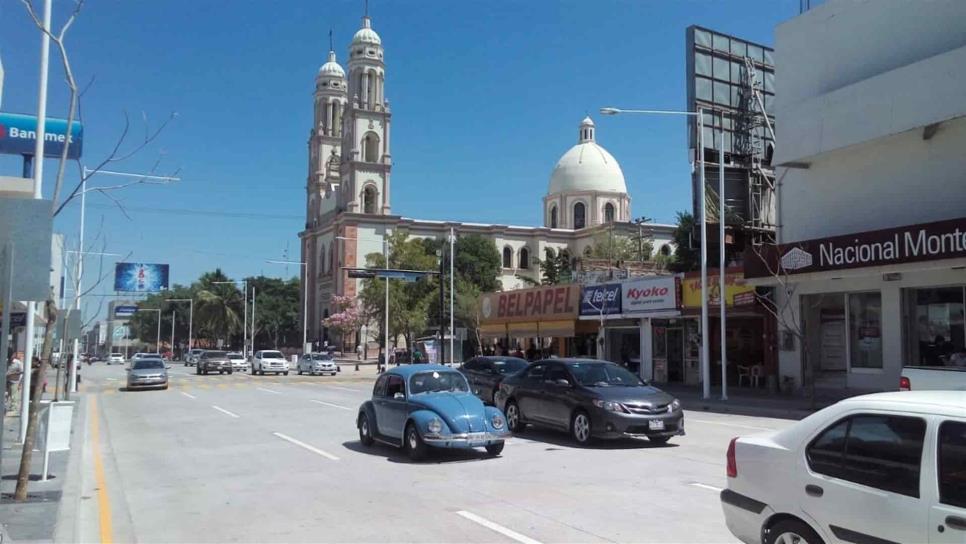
x: 563, y: 440
x: 435, y: 455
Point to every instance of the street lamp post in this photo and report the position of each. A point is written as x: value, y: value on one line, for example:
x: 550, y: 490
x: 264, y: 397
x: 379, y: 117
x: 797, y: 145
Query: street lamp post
x: 159, y: 324
x: 705, y: 346
x: 305, y: 298
x: 191, y: 317
x: 78, y: 293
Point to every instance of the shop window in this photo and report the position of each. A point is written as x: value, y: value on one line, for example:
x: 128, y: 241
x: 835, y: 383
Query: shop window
x: 935, y: 331
x: 865, y: 330
x: 507, y: 258
x: 879, y: 451
x: 952, y: 464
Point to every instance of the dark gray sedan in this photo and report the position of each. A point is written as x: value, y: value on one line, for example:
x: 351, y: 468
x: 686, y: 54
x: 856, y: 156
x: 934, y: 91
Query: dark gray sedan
x: 590, y: 399
x: 486, y: 372
x: 147, y: 374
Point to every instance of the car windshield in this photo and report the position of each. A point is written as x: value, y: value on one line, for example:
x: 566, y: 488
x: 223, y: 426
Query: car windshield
x: 321, y: 357
x: 437, y: 382
x: 145, y: 364
x: 235, y: 356
x: 603, y: 375
x: 509, y: 365
x: 272, y: 355
x: 213, y: 354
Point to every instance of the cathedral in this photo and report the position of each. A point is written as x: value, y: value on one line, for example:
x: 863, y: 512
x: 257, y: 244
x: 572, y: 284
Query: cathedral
x: 348, y: 191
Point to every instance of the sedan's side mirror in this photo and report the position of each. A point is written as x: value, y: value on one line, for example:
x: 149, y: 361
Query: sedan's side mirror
x: 168, y: 367
x: 563, y: 382
x: 399, y: 396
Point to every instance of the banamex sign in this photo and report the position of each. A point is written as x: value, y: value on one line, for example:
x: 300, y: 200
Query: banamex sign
x: 651, y: 294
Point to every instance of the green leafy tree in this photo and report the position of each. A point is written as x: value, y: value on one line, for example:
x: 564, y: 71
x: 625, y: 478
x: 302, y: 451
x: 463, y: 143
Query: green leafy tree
x: 478, y: 262
x: 614, y: 247
x: 555, y: 267
x: 276, y: 312
x: 218, y: 306
x: 686, y: 258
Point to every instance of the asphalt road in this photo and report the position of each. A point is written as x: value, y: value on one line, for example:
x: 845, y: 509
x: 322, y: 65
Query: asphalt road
x: 277, y: 459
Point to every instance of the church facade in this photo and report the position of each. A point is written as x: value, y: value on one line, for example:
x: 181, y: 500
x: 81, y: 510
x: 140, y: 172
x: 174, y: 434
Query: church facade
x: 348, y: 190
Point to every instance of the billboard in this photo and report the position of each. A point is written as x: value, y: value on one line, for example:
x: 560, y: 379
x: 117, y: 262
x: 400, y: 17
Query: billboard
x: 140, y: 277
x: 650, y: 294
x: 601, y: 299
x: 18, y: 136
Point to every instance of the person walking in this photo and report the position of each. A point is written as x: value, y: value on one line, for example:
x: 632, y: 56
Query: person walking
x: 359, y: 351
x: 14, y: 375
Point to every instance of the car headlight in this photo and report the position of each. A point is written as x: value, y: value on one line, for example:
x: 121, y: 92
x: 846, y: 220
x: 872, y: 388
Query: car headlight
x: 497, y: 421
x: 435, y: 426
x: 675, y: 405
x: 610, y: 406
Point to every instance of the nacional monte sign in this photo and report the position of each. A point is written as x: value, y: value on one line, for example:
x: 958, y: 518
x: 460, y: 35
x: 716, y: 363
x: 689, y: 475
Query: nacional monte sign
x: 18, y: 136
x: 912, y: 243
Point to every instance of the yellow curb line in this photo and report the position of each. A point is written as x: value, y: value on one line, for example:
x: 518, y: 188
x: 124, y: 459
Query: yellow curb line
x: 103, y: 501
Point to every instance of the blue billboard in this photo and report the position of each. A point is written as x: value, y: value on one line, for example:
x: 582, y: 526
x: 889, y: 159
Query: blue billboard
x: 140, y: 277
x: 18, y: 136
x: 598, y: 299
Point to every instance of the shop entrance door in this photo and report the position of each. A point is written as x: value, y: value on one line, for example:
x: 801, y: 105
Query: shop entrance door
x: 675, y: 355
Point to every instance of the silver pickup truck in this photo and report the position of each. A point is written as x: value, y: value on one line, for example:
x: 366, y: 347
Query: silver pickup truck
x: 935, y: 378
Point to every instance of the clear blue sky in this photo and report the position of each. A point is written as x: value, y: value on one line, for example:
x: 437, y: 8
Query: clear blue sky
x: 486, y: 96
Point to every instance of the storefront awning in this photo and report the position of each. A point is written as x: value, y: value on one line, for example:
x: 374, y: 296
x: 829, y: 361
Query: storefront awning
x: 525, y: 329
x: 557, y: 328
x: 497, y: 330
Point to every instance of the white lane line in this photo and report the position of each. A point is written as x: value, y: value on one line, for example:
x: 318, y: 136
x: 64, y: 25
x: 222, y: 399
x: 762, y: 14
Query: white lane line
x: 189, y: 396
x: 268, y: 390
x: 330, y: 404
x: 345, y: 388
x: 509, y: 533
x: 738, y: 425
x: 706, y: 486
x: 222, y: 410
x: 111, y: 379
x: 313, y: 449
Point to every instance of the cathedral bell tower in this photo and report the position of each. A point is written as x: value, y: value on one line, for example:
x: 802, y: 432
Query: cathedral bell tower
x: 366, y: 163
x: 325, y: 138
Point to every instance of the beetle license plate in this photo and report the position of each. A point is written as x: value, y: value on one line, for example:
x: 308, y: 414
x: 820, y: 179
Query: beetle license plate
x: 476, y: 437
x: 656, y: 425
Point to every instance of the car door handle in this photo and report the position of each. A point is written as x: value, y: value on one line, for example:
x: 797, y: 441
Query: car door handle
x: 814, y: 490
x: 956, y: 522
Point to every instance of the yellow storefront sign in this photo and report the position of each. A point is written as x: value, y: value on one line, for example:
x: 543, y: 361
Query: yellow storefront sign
x: 737, y: 292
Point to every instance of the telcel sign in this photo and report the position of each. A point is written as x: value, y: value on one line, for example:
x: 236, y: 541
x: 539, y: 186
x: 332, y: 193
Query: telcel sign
x: 18, y: 136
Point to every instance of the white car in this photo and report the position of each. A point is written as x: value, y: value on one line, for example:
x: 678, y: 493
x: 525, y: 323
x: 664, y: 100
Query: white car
x: 269, y: 360
x: 115, y: 358
x: 317, y: 363
x: 881, y: 468
x: 238, y: 362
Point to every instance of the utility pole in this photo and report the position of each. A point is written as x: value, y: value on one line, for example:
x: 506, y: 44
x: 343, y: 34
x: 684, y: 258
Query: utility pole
x: 173, y: 317
x: 442, y: 311
x: 452, y: 291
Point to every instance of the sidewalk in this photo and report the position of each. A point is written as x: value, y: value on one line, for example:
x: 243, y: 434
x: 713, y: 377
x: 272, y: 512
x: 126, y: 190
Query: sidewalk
x: 36, y: 518
x: 748, y: 402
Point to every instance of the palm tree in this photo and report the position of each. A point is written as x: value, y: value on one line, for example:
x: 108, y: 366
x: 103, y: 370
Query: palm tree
x: 219, y: 306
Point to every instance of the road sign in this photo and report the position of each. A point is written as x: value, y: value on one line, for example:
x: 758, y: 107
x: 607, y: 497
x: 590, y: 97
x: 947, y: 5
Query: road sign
x: 18, y: 319
x: 125, y: 311
x: 26, y: 224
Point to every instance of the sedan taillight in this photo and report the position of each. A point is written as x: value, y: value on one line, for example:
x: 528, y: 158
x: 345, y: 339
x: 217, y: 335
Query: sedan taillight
x: 905, y: 384
x: 732, y: 462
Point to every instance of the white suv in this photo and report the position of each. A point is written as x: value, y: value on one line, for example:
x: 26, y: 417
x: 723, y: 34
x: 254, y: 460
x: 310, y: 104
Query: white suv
x: 269, y: 360
x: 115, y: 358
x: 888, y: 467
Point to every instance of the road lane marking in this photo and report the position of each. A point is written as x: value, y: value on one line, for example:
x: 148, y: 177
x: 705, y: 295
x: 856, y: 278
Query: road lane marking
x: 222, y: 410
x: 706, y: 486
x: 345, y: 388
x: 313, y: 449
x: 509, y: 533
x: 268, y: 390
x: 330, y: 404
x: 188, y: 395
x: 111, y: 379
x: 103, y: 501
x: 222, y: 386
x: 738, y: 425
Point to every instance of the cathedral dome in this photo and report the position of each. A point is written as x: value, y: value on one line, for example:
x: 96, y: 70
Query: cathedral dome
x: 587, y: 167
x: 366, y: 34
x: 331, y: 68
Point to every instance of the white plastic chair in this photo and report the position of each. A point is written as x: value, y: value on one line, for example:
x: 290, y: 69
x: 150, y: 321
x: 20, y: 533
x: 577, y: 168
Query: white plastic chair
x: 744, y: 372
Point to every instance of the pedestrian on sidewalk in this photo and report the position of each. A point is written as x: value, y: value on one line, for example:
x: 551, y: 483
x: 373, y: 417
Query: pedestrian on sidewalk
x: 359, y: 352
x: 14, y: 375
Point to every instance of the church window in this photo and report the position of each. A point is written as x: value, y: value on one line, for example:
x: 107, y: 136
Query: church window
x: 369, y: 200
x: 370, y: 148
x: 507, y: 257
x: 524, y: 258
x: 608, y: 213
x: 580, y: 215
x: 553, y: 217
x: 322, y: 259
x: 665, y: 250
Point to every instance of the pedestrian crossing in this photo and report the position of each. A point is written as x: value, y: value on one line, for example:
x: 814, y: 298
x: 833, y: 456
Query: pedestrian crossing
x: 230, y: 383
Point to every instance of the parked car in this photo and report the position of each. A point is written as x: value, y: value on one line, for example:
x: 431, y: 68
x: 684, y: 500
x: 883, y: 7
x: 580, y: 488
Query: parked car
x: 269, y: 360
x: 486, y: 372
x: 933, y: 378
x: 887, y: 467
x: 192, y: 357
x: 213, y: 361
x: 238, y: 362
x: 590, y: 399
x: 115, y: 358
x: 423, y: 406
x: 147, y: 373
x: 317, y: 363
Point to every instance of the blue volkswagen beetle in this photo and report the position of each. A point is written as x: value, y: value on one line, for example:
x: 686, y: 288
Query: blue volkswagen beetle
x: 419, y: 406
